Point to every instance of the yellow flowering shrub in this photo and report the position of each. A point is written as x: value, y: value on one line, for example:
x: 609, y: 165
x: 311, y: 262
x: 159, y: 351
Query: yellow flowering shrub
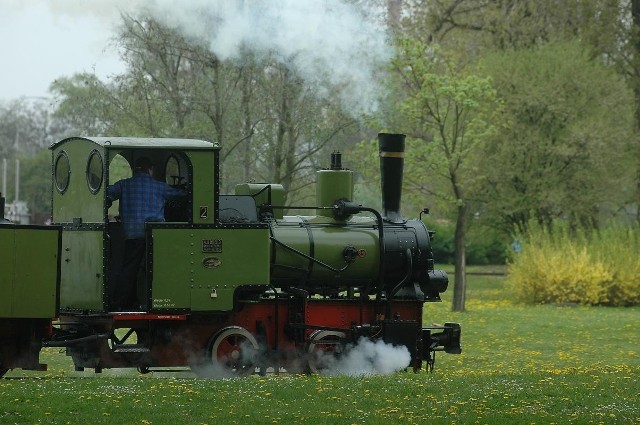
x: 602, y: 268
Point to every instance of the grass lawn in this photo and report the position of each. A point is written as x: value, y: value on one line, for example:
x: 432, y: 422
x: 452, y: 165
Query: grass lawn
x: 520, y: 365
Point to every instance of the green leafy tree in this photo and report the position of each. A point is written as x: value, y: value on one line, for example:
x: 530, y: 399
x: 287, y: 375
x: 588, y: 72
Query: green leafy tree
x: 566, y: 150
x: 27, y: 128
x: 35, y: 184
x: 449, y: 114
x: 609, y: 30
x: 474, y: 25
x: 82, y: 105
x: 270, y: 122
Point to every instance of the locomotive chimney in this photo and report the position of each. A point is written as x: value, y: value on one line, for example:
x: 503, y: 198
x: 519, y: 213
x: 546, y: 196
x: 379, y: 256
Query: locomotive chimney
x: 391, y: 167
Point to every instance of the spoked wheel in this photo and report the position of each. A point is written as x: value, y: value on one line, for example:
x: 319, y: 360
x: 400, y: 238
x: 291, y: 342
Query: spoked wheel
x: 232, y: 352
x: 324, y: 347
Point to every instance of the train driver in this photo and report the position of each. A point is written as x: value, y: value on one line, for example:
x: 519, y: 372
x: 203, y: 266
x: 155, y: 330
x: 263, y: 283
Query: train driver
x: 142, y: 199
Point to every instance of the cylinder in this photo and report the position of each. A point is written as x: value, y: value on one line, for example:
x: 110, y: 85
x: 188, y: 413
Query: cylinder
x: 391, y: 148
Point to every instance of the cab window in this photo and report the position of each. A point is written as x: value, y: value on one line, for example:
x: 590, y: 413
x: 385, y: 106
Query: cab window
x: 62, y: 172
x: 172, y: 171
x: 94, y: 171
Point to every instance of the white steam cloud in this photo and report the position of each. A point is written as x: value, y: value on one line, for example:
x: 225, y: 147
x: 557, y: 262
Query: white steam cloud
x: 367, y: 358
x: 329, y: 43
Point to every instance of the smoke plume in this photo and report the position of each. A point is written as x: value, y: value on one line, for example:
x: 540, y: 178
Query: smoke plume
x: 367, y: 358
x: 328, y: 43
x: 331, y: 44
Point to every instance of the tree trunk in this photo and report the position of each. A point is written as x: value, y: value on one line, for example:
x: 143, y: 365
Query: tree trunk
x: 460, y: 275
x: 247, y: 130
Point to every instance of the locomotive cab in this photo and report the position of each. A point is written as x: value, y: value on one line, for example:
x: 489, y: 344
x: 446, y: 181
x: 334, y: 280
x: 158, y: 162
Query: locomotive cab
x: 172, y: 167
x: 93, y: 238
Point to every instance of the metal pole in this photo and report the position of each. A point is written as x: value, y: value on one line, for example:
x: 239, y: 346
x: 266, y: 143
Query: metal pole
x: 17, y: 180
x: 4, y: 176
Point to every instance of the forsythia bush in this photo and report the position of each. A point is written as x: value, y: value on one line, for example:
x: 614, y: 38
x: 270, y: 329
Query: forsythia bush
x: 601, y: 268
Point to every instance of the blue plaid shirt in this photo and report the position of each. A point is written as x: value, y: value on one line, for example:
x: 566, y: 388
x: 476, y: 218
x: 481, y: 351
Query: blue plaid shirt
x: 142, y: 199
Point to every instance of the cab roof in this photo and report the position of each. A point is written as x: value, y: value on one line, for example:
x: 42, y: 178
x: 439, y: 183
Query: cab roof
x: 140, y: 142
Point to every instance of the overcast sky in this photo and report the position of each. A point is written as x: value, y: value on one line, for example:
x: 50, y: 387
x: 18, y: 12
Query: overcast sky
x: 330, y: 43
x: 39, y: 42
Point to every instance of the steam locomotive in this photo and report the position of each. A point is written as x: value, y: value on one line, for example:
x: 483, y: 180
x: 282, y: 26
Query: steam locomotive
x: 227, y: 282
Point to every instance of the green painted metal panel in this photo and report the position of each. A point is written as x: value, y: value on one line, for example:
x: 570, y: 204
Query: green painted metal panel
x: 78, y: 201
x: 36, y: 282
x: 199, y: 269
x: 82, y: 280
x: 7, y: 269
x: 29, y: 278
x: 203, y: 186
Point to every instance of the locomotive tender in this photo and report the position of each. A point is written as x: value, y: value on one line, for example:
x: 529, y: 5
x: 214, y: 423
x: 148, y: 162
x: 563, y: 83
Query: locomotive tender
x: 228, y: 282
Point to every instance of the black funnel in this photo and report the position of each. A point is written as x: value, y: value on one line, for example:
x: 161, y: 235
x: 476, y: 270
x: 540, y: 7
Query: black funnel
x: 391, y: 168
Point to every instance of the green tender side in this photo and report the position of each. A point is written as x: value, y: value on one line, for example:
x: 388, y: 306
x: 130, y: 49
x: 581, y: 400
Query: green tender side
x: 199, y: 269
x: 29, y: 276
